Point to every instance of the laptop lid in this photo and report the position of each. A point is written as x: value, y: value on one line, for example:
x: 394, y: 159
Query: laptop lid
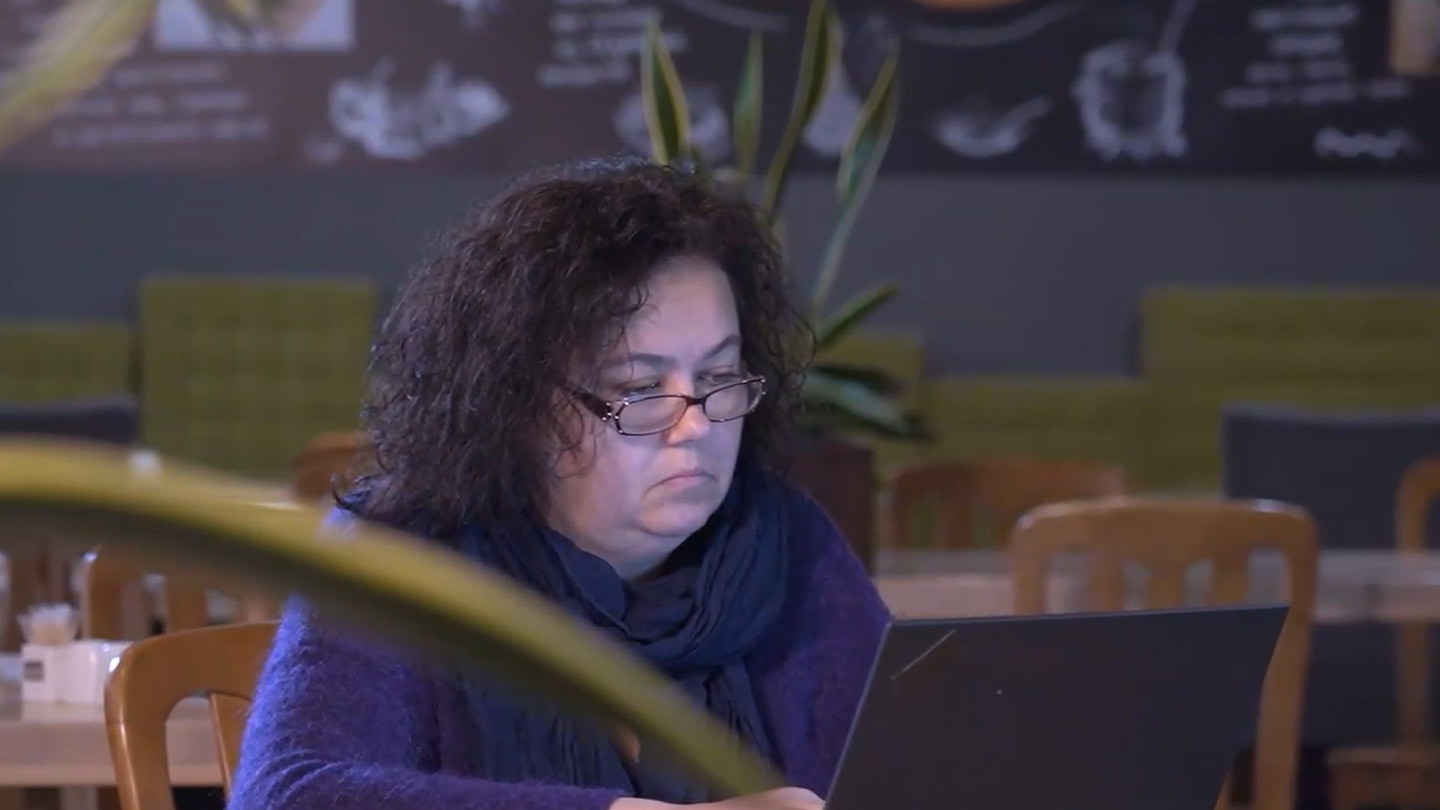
x: 1134, y: 710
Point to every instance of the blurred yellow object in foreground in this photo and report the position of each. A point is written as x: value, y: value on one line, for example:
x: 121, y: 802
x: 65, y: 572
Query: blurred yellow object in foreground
x: 76, y: 48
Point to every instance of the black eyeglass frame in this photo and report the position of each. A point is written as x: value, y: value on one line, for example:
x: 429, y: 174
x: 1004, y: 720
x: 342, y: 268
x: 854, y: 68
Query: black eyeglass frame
x: 610, y: 410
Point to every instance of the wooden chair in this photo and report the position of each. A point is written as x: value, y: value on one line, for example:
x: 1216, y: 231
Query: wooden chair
x: 1167, y: 538
x: 30, y: 583
x: 1002, y: 488
x: 40, y: 571
x: 153, y: 676
x: 115, y: 605
x: 1405, y: 774
x: 330, y: 455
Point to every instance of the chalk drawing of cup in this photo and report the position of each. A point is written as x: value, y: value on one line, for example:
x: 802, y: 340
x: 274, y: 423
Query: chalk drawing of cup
x: 1131, y: 101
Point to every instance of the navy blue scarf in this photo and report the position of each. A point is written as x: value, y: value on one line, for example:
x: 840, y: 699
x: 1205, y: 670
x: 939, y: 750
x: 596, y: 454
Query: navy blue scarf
x: 695, y: 620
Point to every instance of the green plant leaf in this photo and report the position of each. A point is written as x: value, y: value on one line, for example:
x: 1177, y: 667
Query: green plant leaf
x: 874, y: 126
x: 877, y: 380
x: 748, y: 98
x: 818, y: 58
x: 837, y: 326
x: 859, y: 164
x: 855, y: 400
x: 77, y: 46
x: 377, y: 580
x: 666, y: 115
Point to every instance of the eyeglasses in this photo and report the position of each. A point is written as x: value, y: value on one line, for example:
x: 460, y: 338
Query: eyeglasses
x: 645, y: 414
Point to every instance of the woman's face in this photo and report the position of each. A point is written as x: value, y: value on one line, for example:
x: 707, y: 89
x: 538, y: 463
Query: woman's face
x: 631, y: 500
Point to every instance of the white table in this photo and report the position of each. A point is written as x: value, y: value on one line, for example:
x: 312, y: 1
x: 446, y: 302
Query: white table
x: 62, y: 745
x: 1354, y: 586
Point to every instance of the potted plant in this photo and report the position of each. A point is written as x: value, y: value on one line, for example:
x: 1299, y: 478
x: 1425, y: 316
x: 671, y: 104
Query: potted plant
x: 839, y: 402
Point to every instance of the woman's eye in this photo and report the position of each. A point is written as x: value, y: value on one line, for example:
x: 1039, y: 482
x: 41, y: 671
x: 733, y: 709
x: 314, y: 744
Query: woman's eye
x: 636, y: 389
x: 719, y: 378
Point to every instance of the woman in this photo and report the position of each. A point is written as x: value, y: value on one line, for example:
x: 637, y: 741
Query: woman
x: 589, y: 390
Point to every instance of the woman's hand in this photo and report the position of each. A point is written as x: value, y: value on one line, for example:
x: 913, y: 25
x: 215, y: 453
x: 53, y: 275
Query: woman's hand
x: 790, y: 798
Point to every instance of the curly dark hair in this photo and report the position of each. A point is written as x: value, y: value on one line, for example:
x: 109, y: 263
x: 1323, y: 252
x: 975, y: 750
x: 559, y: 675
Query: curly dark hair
x: 535, y: 283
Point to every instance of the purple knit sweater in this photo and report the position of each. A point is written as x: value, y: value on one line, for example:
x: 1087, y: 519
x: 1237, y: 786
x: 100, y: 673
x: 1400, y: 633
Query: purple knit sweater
x: 341, y: 724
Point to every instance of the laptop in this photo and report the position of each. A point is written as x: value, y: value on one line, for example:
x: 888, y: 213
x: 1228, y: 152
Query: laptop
x: 1135, y: 710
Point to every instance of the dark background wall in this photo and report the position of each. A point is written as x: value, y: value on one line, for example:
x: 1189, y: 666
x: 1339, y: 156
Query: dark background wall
x: 1002, y: 275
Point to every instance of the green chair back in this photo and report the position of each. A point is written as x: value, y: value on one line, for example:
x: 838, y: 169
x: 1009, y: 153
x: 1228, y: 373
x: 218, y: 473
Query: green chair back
x: 239, y: 373
x: 44, y: 361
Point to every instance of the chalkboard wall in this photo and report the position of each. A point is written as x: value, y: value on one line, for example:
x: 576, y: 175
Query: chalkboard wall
x: 1039, y: 86
x: 1208, y: 86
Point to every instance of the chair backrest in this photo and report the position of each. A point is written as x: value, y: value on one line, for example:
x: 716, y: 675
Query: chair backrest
x: 153, y: 676
x: 32, y: 580
x: 1001, y: 489
x: 103, y: 577
x: 1342, y: 467
x: 324, y: 459
x: 1419, y: 494
x: 945, y: 486
x: 115, y: 604
x: 239, y: 372
x: 1419, y: 491
x: 47, y: 360
x: 1009, y: 487
x: 1167, y: 538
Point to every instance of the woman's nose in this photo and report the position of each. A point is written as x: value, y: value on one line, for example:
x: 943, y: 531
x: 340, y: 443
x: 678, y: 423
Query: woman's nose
x: 693, y: 424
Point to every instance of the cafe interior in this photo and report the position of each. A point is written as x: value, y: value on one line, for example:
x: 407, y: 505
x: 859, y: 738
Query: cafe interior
x: 1176, y: 346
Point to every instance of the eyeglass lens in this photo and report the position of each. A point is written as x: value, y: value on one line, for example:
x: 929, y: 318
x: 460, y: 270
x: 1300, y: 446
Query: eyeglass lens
x: 654, y: 414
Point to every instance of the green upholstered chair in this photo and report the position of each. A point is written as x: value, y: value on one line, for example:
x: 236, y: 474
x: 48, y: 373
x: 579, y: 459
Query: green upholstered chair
x: 1182, y: 429
x: 239, y: 373
x: 1329, y: 335
x: 43, y: 361
x: 1073, y: 418
x: 1320, y: 348
x: 1083, y: 418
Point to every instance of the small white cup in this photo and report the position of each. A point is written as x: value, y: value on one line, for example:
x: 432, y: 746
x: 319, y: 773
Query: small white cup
x: 86, y: 669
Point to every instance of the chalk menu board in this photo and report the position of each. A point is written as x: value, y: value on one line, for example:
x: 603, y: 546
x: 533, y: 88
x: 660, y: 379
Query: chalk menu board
x: 1038, y: 86
x: 1209, y: 86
